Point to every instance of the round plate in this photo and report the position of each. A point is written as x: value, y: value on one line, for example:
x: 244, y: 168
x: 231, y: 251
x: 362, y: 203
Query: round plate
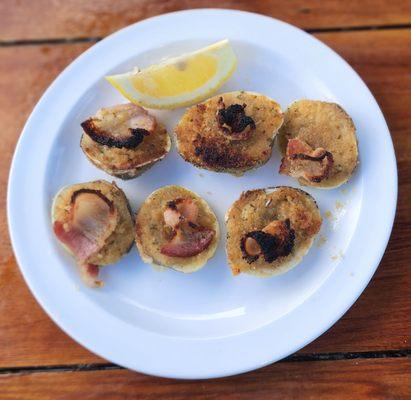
x: 207, y: 324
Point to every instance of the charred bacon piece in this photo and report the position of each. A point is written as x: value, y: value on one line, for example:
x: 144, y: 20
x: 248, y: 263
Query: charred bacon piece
x: 233, y: 121
x: 92, y: 219
x: 301, y: 161
x: 187, y: 238
x: 121, y: 126
x: 274, y: 241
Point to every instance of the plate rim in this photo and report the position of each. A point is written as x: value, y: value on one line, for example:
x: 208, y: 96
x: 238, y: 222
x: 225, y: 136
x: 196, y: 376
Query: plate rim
x: 11, y: 211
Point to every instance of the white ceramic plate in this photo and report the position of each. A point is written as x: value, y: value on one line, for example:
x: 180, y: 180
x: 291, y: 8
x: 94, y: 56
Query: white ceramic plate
x: 207, y: 324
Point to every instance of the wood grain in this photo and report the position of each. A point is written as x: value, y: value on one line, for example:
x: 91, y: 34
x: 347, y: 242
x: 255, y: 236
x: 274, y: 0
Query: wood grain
x: 380, y: 320
x: 27, y: 335
x: 383, y: 379
x: 77, y: 18
x: 383, y: 60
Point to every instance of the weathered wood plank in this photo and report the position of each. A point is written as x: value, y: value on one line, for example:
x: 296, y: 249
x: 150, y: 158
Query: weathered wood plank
x: 76, y: 18
x: 383, y: 379
x: 27, y: 335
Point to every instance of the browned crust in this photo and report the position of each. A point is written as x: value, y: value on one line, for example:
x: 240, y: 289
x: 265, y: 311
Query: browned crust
x: 323, y: 125
x: 218, y: 155
x: 254, y: 210
x: 311, y: 229
x: 202, y: 142
x: 150, y: 235
x: 127, y: 173
x: 128, y: 163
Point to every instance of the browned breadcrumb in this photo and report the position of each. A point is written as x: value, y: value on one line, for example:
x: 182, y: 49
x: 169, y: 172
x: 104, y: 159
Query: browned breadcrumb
x: 201, y: 141
x: 149, y: 229
x: 250, y: 213
x: 128, y: 163
x: 323, y: 125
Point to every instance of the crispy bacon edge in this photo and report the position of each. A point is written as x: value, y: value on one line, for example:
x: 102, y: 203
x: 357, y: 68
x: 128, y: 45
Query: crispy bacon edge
x: 271, y: 246
x: 187, y: 238
x: 88, y: 272
x: 103, y: 137
x: 317, y: 155
x: 136, y: 134
x: 233, y: 121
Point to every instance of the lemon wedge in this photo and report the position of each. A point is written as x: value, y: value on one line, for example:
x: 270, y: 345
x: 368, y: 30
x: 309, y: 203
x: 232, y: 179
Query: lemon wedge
x: 179, y: 81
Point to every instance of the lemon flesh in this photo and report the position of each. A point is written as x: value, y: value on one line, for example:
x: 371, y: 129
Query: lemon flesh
x: 179, y: 81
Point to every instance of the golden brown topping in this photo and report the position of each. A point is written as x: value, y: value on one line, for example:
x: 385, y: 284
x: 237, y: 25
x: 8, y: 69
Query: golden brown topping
x: 121, y: 126
x: 301, y: 161
x: 233, y: 121
x: 217, y: 154
x: 274, y: 241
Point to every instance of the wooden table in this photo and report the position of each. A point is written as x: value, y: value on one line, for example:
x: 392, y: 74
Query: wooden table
x: 366, y: 355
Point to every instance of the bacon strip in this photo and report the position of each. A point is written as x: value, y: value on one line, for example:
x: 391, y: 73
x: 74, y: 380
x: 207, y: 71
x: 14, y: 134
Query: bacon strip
x: 180, y: 210
x: 124, y: 125
x: 188, y: 244
x: 301, y: 161
x: 188, y: 239
x: 89, y: 275
x: 92, y: 219
x: 93, y: 214
x: 81, y: 246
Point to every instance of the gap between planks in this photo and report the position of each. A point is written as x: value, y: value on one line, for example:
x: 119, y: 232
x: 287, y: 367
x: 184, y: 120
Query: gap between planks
x: 294, y: 358
x: 338, y: 356
x: 51, y: 41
